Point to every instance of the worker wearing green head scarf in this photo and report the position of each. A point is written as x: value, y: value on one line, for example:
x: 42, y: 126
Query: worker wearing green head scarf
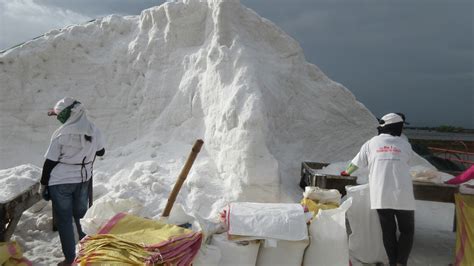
x: 66, y: 178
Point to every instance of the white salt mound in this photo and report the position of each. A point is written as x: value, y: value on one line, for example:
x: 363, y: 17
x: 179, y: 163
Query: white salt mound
x: 155, y: 83
x: 16, y: 180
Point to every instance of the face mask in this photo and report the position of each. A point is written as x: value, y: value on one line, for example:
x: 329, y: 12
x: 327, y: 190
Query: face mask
x: 64, y: 115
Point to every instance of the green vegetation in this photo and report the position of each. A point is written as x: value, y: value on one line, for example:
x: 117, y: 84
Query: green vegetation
x: 445, y: 128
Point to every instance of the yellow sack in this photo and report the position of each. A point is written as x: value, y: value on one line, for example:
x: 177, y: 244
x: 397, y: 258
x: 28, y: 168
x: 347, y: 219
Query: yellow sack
x: 128, y: 239
x: 465, y: 229
x: 11, y: 254
x: 314, y: 206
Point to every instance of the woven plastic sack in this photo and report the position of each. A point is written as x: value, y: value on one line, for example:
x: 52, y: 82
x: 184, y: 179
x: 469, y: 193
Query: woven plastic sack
x: 128, y: 239
x: 328, y: 238
x: 322, y: 195
x: 314, y: 207
x: 280, y: 221
x: 11, y: 254
x: 209, y: 255
x: 467, y: 188
x: 465, y: 230
x: 365, y: 240
x: 102, y: 210
x: 288, y: 253
x: 236, y: 253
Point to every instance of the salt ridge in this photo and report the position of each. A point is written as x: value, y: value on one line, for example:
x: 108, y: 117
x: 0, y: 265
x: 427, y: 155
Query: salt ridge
x: 178, y: 72
x: 155, y: 83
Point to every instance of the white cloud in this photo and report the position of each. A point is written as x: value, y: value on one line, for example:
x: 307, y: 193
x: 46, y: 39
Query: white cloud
x: 22, y: 20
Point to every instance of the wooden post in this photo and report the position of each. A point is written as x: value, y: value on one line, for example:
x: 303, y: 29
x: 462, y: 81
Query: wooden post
x: 182, y: 176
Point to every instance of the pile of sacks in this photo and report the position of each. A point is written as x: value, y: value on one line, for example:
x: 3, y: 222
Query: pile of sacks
x: 117, y: 237
x: 310, y: 233
x: 129, y: 239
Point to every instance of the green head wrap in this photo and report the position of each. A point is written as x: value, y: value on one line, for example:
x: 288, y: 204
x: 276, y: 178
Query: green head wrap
x: 64, y: 115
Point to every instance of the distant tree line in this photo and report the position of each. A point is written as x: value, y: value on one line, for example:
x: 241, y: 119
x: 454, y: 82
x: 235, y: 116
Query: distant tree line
x: 445, y: 128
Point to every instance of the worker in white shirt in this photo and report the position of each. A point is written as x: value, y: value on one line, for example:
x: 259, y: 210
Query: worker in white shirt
x: 67, y: 170
x: 387, y: 157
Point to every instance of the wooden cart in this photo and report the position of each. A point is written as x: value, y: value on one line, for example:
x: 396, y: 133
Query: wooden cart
x: 309, y: 176
x: 422, y: 190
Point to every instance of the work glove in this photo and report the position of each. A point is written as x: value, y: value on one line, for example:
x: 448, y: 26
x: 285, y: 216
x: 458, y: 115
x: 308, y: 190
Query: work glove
x: 344, y: 173
x: 44, y: 192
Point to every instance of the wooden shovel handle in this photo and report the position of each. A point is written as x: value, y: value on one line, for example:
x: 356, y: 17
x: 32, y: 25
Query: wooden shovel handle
x: 182, y: 176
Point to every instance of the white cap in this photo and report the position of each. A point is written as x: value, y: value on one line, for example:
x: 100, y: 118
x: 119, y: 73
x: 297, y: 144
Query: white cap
x: 390, y: 118
x: 61, y: 105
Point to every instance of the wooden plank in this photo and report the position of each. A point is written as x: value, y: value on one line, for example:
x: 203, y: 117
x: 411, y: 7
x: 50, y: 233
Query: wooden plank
x: 434, y: 192
x: 11, y: 211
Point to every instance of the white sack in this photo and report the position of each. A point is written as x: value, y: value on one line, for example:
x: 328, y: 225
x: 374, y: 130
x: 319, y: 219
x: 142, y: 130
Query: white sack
x: 236, y: 253
x: 103, y: 210
x: 365, y: 241
x: 179, y: 216
x: 281, y: 221
x: 208, y: 255
x: 328, y: 238
x: 288, y: 253
x: 322, y: 195
x: 467, y: 188
x: 207, y: 227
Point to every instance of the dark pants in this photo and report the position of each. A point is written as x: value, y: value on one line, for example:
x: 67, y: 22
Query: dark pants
x: 399, y: 249
x: 69, y: 201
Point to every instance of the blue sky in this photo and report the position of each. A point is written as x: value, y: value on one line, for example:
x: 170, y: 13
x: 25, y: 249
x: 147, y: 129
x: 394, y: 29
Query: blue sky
x: 410, y: 56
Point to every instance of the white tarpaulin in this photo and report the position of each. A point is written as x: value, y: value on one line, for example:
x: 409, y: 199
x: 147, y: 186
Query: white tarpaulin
x: 267, y: 220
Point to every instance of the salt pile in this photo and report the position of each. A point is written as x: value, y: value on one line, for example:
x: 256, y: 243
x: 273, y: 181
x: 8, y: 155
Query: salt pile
x: 155, y: 83
x: 26, y: 175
